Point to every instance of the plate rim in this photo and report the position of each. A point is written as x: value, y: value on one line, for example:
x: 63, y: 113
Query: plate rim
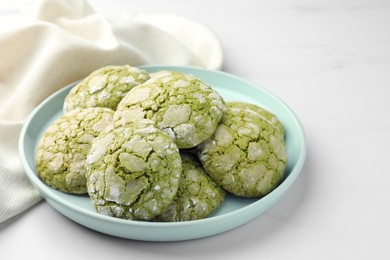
x: 271, y: 197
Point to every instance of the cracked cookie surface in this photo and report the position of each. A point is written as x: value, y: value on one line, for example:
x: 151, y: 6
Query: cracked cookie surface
x: 133, y: 171
x: 104, y: 87
x: 267, y: 115
x: 198, y: 195
x: 183, y: 107
x: 64, y: 146
x: 246, y: 155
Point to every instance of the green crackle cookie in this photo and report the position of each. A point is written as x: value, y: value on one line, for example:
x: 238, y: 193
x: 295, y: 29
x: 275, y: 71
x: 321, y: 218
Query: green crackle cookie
x: 104, y: 87
x: 63, y: 148
x: 133, y: 171
x: 246, y: 155
x: 198, y: 194
x: 267, y: 115
x: 183, y: 107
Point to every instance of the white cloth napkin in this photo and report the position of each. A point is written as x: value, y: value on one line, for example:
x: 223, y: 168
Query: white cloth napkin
x: 66, y: 41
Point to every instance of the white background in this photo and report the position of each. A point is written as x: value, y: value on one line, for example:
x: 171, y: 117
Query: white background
x: 329, y: 60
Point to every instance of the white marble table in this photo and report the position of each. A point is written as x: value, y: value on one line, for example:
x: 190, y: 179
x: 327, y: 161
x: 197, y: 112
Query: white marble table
x: 330, y: 62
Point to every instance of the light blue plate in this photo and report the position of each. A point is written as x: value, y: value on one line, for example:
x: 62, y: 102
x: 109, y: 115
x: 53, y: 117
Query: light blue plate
x: 232, y: 213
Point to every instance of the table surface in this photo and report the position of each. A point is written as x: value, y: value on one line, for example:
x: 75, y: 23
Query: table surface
x: 330, y: 62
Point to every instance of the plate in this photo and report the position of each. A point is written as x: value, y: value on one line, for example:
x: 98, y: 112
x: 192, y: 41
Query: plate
x: 234, y: 211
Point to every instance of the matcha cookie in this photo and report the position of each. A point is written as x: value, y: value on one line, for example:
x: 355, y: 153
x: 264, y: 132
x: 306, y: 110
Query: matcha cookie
x: 198, y: 194
x: 183, y: 107
x: 104, y: 87
x: 246, y: 155
x: 133, y: 171
x: 63, y: 148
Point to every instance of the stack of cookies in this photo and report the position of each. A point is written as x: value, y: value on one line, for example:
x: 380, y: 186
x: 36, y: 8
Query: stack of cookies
x: 163, y: 146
